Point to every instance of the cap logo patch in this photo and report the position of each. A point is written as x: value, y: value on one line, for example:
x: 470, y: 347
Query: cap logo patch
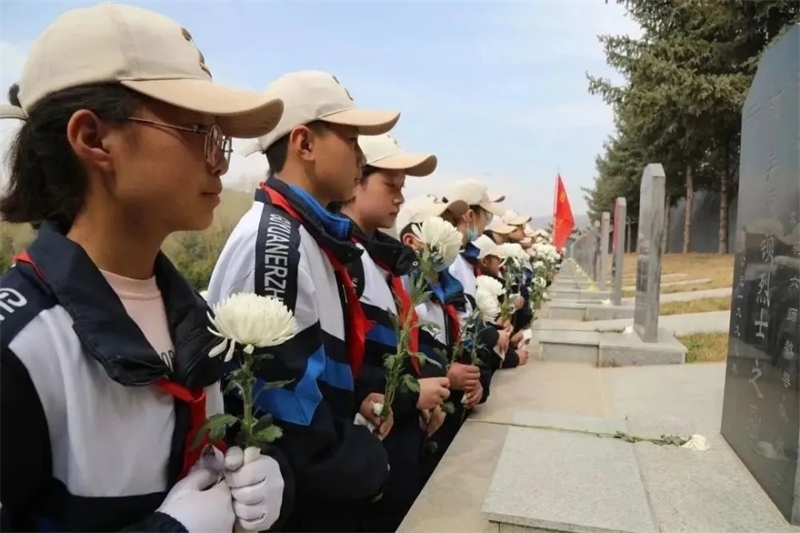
x: 188, y: 37
x: 343, y: 87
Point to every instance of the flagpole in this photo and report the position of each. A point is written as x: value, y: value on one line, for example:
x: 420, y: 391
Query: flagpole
x: 555, y: 196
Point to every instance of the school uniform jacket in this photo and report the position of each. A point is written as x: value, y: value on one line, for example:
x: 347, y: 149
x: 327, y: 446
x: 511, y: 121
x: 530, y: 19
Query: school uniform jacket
x: 384, y: 258
x: 88, y: 441
x: 288, y: 246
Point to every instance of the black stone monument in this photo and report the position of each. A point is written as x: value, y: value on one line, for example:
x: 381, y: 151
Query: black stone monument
x: 761, y: 409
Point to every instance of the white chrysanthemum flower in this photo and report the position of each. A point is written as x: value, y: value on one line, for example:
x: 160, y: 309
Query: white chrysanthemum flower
x: 250, y: 320
x: 489, y: 284
x: 513, y: 251
x: 441, y: 239
x: 539, y: 281
x: 487, y: 303
x: 697, y: 443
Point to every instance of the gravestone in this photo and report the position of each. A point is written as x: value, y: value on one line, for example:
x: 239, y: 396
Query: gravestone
x: 648, y: 252
x: 604, y: 229
x: 761, y: 407
x: 620, y: 212
x: 595, y: 243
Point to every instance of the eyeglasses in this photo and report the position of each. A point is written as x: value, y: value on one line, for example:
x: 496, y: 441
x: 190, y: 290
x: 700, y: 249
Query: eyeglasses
x: 216, y: 143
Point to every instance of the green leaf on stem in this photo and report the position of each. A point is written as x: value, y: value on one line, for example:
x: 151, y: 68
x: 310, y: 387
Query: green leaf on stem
x: 410, y: 383
x: 268, y: 434
x: 448, y: 408
x: 215, y: 427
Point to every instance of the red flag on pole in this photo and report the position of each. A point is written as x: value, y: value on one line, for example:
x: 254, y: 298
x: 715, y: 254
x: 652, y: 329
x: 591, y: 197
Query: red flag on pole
x: 563, y: 222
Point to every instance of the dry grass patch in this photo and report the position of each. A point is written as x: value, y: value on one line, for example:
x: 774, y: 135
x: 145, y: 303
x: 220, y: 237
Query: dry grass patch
x: 717, y: 268
x: 701, y: 305
x: 705, y: 347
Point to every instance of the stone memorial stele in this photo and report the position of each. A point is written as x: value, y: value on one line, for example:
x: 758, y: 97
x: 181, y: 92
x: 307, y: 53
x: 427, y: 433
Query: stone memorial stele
x: 649, y: 252
x: 620, y: 212
x: 761, y: 407
x: 604, y: 229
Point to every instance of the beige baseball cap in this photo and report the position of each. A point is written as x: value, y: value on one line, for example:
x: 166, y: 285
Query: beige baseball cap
x: 382, y: 151
x: 311, y: 95
x: 475, y: 193
x: 498, y: 226
x: 528, y: 230
x: 486, y: 246
x: 147, y: 52
x: 419, y: 208
x: 515, y: 219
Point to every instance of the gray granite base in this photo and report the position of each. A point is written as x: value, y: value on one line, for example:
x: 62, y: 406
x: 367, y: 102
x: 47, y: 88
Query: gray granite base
x: 610, y: 348
x: 556, y: 474
x: 586, y: 311
x: 579, y: 295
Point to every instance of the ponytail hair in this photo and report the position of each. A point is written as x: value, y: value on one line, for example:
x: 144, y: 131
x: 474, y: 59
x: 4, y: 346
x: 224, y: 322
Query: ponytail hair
x: 46, y: 180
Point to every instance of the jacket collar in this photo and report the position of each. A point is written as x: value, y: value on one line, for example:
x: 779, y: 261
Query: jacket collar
x: 470, y: 253
x: 105, y: 329
x: 332, y: 232
x: 392, y: 254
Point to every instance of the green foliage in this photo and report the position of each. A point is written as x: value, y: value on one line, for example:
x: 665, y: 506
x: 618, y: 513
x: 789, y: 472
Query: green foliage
x: 193, y: 253
x: 686, y: 79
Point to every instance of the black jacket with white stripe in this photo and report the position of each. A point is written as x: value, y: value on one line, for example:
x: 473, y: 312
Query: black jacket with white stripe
x: 86, y: 443
x: 280, y: 248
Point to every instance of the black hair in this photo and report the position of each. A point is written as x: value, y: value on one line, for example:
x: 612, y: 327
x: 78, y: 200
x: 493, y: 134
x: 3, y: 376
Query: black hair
x: 47, y: 182
x: 278, y: 151
x: 366, y: 172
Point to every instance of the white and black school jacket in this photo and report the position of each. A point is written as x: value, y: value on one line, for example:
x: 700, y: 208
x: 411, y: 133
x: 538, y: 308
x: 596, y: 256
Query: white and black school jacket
x: 384, y: 258
x: 272, y: 252
x: 87, y: 443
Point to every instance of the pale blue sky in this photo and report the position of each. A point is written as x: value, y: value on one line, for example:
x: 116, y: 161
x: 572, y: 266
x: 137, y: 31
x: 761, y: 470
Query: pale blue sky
x: 497, y: 90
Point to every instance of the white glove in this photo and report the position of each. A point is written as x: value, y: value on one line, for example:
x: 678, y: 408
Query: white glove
x: 198, y: 507
x: 256, y: 487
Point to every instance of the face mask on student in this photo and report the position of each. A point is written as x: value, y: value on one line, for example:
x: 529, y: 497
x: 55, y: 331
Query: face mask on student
x: 472, y: 234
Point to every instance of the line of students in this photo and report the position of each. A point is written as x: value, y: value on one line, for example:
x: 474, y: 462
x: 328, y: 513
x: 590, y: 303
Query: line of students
x: 104, y: 347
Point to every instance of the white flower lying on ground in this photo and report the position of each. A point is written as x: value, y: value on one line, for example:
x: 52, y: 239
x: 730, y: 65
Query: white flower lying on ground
x: 698, y: 443
x: 440, y: 238
x: 252, y: 321
x: 489, y: 284
x: 487, y: 304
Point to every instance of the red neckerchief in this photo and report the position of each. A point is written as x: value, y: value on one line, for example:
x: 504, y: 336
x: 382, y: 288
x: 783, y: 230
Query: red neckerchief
x: 405, y: 308
x: 195, y: 399
x: 357, y: 320
x: 476, y: 269
x: 455, y: 322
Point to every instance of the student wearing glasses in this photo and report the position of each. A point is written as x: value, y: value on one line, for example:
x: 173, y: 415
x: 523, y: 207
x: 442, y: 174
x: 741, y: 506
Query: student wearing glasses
x: 104, y: 348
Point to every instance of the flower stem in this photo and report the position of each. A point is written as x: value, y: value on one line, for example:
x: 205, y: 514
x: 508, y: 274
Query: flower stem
x: 247, y: 399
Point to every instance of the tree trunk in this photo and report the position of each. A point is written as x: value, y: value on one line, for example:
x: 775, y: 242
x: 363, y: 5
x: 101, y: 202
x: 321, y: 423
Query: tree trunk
x: 687, y: 221
x: 723, y: 203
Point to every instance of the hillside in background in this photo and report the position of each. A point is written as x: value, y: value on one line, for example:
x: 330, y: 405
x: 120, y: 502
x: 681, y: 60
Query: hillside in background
x: 543, y: 222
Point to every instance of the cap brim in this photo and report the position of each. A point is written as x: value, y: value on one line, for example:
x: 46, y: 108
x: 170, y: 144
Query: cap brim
x: 459, y: 208
x: 413, y: 164
x: 242, y: 114
x: 494, y: 208
x: 368, y: 121
x: 502, y: 228
x: 12, y: 111
x: 496, y: 198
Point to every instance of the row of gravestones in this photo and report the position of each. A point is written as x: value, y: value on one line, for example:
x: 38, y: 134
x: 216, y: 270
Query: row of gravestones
x: 761, y: 405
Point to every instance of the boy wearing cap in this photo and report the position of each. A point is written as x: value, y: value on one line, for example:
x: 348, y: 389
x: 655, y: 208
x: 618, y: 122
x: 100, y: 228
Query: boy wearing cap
x: 378, y: 277
x: 289, y: 246
x: 443, y: 308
